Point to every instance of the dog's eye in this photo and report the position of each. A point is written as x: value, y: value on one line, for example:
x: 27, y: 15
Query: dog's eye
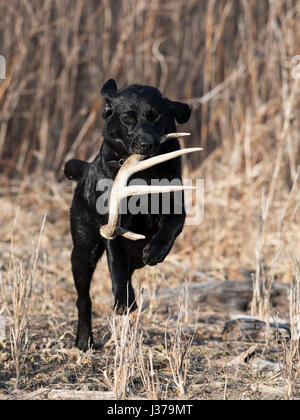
x: 153, y: 116
x: 129, y: 118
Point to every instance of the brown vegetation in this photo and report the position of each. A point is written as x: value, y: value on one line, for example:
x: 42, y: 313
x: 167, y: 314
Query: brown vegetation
x: 233, y: 61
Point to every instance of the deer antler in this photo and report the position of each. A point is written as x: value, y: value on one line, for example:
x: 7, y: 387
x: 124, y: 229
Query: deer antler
x: 120, y: 189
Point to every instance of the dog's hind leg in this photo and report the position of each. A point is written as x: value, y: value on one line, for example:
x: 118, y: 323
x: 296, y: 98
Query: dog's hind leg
x: 84, y: 261
x: 118, y: 262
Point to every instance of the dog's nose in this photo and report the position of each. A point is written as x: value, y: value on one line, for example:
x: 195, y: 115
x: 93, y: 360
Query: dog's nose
x: 146, y: 145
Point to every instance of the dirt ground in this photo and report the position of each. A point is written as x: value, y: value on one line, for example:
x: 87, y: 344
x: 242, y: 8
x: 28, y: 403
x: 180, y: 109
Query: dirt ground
x: 183, y: 346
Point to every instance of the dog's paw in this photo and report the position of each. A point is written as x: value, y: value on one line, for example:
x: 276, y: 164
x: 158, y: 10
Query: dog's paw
x: 122, y: 309
x: 84, y: 341
x: 154, y: 253
x: 124, y: 302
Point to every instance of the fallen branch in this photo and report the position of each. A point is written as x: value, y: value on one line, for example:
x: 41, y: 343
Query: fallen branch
x: 251, y: 329
x: 68, y: 394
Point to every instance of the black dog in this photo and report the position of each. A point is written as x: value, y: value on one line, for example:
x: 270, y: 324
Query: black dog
x: 135, y: 118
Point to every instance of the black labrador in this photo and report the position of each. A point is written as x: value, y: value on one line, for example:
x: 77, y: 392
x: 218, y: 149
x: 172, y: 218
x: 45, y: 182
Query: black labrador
x: 135, y: 119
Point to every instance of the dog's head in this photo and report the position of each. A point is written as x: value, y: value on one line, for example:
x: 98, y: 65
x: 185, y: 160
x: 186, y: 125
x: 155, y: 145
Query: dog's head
x: 137, y: 117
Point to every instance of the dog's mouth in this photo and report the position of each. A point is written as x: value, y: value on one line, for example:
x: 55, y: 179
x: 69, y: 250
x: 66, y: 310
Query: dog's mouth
x: 152, y: 148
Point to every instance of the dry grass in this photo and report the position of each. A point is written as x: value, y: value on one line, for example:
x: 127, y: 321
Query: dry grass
x: 15, y: 298
x: 155, y: 353
x: 233, y: 61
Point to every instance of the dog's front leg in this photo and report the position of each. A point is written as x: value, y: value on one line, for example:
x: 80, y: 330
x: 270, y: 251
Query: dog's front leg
x: 84, y: 261
x: 118, y: 262
x: 161, y: 243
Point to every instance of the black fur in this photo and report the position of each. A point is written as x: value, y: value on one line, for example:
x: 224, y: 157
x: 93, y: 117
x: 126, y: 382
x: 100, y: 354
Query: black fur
x: 75, y: 168
x: 135, y: 119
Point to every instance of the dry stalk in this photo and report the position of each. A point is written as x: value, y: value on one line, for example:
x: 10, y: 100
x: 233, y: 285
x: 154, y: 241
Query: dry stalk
x: 16, y: 295
x: 291, y: 348
x: 261, y: 288
x: 152, y: 286
x: 177, y: 350
x: 125, y: 336
x: 262, y: 284
x: 149, y: 377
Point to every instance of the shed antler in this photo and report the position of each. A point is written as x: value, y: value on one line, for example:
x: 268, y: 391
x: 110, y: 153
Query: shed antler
x: 120, y: 189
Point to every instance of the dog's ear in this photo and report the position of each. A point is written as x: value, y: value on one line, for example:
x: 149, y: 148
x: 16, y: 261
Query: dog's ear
x: 180, y: 111
x: 109, y: 89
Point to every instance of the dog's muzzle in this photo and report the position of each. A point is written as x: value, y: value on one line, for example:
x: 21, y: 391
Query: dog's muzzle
x: 144, y: 145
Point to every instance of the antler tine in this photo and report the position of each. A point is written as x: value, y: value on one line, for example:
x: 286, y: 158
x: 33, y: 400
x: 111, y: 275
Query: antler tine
x: 151, y: 189
x: 173, y: 136
x: 141, y: 165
